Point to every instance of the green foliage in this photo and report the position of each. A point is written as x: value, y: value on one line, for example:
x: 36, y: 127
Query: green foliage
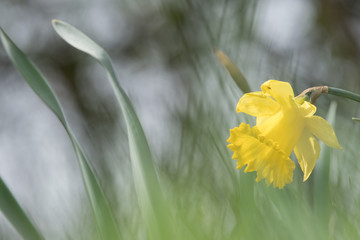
x: 102, y: 212
x: 155, y: 211
x: 16, y: 215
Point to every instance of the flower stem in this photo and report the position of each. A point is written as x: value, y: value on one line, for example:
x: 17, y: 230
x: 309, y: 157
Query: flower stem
x: 343, y: 93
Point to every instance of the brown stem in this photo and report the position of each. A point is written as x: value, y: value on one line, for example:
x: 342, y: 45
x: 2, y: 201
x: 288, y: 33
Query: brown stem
x: 314, y: 93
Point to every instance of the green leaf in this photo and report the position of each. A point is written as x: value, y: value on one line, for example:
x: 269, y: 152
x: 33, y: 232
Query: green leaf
x: 150, y: 197
x: 103, y: 216
x: 14, y: 213
x: 234, y: 71
x: 34, y: 78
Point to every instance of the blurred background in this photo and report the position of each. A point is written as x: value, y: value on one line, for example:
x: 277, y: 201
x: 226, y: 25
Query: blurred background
x: 163, y: 54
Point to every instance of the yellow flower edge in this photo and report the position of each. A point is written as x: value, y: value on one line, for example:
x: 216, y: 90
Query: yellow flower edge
x: 283, y: 124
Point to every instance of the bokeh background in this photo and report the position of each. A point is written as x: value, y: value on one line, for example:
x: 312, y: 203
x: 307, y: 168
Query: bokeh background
x: 163, y: 55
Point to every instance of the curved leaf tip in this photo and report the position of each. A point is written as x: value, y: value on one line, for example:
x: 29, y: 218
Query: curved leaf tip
x: 78, y: 39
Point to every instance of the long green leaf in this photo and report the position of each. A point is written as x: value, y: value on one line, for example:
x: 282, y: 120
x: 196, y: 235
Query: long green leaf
x: 14, y: 213
x: 105, y: 221
x: 150, y: 196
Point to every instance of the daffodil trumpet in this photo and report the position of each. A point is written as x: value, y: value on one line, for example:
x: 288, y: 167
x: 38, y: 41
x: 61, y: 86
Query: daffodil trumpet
x: 284, y: 124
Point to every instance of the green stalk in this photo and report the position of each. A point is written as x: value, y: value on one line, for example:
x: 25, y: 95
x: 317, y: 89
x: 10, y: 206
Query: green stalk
x: 343, y: 93
x: 234, y: 71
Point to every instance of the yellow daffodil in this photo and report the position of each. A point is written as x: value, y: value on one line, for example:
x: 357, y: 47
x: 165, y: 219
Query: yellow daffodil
x: 283, y: 124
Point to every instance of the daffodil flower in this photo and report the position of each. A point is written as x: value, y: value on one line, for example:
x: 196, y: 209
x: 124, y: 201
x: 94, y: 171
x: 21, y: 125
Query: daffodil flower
x: 283, y: 124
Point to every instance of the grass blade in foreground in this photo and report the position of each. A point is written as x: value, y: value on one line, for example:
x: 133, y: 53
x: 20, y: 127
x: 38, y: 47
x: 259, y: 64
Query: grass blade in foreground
x: 322, y: 178
x: 103, y: 216
x: 14, y: 213
x: 150, y: 197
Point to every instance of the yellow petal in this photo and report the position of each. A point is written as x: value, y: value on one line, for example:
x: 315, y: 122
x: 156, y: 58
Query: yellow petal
x: 261, y: 120
x: 260, y: 154
x: 322, y: 130
x: 307, y: 151
x: 280, y: 91
x: 307, y: 109
x: 257, y: 104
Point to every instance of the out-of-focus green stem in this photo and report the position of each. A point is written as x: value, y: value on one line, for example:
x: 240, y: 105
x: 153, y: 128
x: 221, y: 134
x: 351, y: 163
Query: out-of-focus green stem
x: 234, y: 71
x: 343, y: 93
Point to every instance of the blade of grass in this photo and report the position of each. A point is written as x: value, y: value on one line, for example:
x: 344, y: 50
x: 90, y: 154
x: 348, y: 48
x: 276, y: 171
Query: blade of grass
x: 150, y: 197
x: 321, y: 181
x: 103, y: 216
x: 16, y: 215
